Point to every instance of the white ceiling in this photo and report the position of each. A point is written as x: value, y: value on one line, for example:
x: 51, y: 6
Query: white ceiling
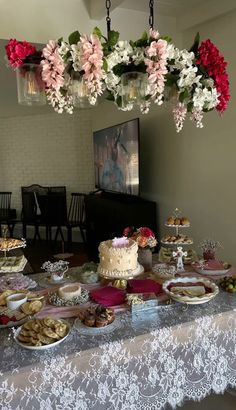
x: 59, y: 17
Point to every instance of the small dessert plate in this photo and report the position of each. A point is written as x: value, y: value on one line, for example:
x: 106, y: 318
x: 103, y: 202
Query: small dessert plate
x: 199, y: 268
x: 87, y: 330
x: 48, y: 281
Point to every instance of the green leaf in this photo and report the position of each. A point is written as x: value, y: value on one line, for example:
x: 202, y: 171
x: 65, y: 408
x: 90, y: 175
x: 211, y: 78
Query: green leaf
x: 171, y: 79
x: 110, y: 96
x: 60, y: 41
x: 195, y: 45
x: 105, y: 65
x: 97, y: 32
x: 63, y: 91
x: 67, y: 56
x: 144, y: 36
x: 184, y: 95
x: 167, y: 38
x: 119, y: 101
x: 190, y: 106
x: 113, y: 37
x: 74, y: 37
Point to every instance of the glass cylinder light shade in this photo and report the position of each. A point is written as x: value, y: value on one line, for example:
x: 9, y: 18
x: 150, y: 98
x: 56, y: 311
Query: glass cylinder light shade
x: 79, y: 91
x: 134, y: 88
x: 30, y: 86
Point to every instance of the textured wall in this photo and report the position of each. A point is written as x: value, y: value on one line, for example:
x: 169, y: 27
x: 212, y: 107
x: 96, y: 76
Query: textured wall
x: 47, y: 150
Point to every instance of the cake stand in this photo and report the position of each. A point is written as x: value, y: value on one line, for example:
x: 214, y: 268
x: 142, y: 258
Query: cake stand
x: 7, y: 245
x: 116, y: 275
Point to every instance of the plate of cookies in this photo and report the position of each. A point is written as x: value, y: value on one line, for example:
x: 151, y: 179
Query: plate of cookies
x: 13, y: 312
x: 42, y: 334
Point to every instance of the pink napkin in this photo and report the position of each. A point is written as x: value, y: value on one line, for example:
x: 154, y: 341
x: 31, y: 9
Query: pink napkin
x: 143, y: 286
x: 108, y: 296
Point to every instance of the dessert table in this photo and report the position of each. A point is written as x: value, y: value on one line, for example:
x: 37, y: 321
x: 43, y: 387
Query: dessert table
x: 166, y: 355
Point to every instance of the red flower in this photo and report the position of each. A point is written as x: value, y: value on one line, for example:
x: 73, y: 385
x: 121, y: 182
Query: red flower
x: 213, y: 62
x: 128, y: 231
x: 17, y: 51
x: 146, y: 232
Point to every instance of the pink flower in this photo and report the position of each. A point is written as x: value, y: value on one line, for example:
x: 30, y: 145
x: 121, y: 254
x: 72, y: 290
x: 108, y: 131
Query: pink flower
x: 92, y: 62
x: 17, y: 51
x: 52, y: 66
x: 156, y: 63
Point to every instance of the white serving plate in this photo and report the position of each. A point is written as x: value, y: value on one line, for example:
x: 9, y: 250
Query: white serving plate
x: 210, y: 272
x: 177, y: 226
x: 44, y: 347
x: 176, y: 243
x: 21, y: 321
x: 87, y: 330
x: 195, y: 300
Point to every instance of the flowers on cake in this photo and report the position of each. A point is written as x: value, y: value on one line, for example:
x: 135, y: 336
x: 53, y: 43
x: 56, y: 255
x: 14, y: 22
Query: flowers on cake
x: 120, y: 242
x: 143, y: 236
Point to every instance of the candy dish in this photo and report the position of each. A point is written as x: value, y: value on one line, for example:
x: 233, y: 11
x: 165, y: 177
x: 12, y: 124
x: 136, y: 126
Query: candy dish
x: 211, y: 290
x: 164, y: 271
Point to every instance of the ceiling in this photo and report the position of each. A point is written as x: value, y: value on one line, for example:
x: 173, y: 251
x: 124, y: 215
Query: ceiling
x: 58, y: 17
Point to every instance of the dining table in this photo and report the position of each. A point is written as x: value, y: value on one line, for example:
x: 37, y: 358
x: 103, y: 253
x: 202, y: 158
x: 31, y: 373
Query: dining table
x: 145, y: 360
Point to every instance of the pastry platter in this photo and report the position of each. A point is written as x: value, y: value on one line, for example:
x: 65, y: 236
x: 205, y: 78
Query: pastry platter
x: 87, y: 330
x: 41, y: 334
x: 192, y: 291
x: 16, y: 281
x: 21, y: 314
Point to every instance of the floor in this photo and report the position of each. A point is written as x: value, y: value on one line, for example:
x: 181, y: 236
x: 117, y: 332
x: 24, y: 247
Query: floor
x: 41, y: 251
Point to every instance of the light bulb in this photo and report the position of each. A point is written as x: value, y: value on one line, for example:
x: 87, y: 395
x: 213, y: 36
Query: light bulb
x: 31, y: 86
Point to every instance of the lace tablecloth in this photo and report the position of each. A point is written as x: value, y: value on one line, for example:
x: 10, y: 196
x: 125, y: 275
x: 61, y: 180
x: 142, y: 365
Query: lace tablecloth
x: 146, y: 362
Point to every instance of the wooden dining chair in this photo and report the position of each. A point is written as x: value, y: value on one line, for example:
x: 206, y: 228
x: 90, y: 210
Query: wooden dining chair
x: 31, y: 214
x: 76, y: 217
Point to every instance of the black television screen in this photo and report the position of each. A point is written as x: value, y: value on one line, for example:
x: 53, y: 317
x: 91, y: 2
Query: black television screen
x: 116, y: 158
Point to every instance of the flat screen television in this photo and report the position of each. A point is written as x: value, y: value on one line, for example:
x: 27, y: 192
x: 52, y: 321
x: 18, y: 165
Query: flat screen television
x: 116, y: 158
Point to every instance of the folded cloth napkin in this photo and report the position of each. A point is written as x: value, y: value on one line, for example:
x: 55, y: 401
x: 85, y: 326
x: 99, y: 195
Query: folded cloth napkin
x: 108, y: 296
x: 143, y: 286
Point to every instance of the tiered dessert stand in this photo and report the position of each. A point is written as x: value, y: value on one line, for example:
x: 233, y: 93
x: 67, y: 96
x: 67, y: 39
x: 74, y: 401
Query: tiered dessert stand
x: 178, y: 240
x: 6, y: 245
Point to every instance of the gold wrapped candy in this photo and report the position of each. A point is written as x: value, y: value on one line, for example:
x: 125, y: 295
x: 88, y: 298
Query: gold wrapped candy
x: 120, y: 283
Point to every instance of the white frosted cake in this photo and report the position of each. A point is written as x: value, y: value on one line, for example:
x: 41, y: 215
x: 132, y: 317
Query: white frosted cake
x: 119, y: 258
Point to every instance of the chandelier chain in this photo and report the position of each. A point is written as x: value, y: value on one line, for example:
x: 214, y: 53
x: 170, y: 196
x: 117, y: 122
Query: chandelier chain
x: 108, y: 19
x: 151, y: 16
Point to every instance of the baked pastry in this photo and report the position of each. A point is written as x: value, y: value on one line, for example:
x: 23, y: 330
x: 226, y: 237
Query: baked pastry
x: 185, y: 221
x: 170, y: 221
x: 98, y: 317
x: 39, y: 332
x: 177, y: 221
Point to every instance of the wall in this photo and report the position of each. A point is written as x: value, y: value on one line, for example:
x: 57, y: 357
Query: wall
x: 47, y: 150
x: 193, y: 170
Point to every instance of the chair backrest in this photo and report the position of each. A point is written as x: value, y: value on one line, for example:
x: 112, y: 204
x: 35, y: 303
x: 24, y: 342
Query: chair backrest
x: 5, y: 200
x: 57, y: 207
x: 76, y: 213
x: 29, y: 204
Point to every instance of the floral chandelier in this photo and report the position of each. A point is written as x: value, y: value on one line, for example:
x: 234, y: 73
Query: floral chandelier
x: 150, y: 70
